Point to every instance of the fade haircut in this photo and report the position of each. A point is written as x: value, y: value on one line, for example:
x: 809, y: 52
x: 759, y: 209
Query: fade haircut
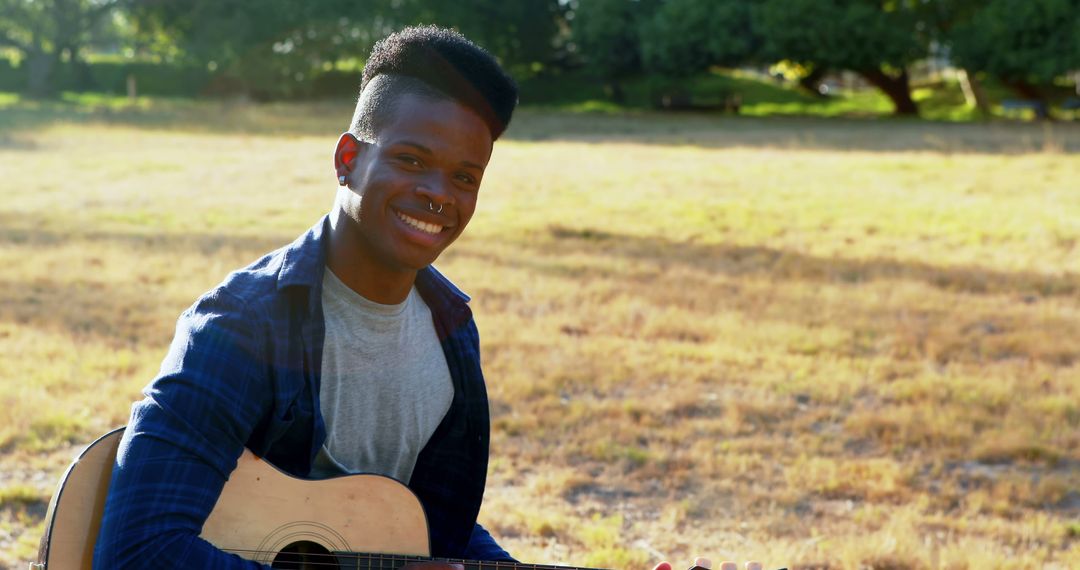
x: 438, y: 64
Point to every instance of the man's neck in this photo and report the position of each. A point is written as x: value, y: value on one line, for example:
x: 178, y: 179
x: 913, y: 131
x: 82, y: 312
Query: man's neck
x: 356, y: 266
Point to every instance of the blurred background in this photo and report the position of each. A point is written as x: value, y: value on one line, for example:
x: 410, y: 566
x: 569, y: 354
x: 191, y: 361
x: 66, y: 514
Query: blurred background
x: 942, y: 59
x: 787, y: 280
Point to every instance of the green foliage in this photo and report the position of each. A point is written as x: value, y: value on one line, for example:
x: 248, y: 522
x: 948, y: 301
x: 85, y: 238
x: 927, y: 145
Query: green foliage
x: 265, y: 49
x: 688, y: 36
x: 875, y: 38
x: 521, y: 33
x: 607, y: 34
x: 48, y: 26
x: 274, y: 49
x: 839, y: 34
x: 1030, y: 40
x: 576, y: 92
x: 41, y: 31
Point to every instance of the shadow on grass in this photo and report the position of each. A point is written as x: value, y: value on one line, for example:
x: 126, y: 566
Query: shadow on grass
x: 687, y: 275
x: 738, y: 261
x: 797, y: 133
x: 708, y: 130
x: 123, y: 312
x: 26, y: 229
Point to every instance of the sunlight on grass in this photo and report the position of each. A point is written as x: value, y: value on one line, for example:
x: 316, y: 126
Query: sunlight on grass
x: 817, y: 343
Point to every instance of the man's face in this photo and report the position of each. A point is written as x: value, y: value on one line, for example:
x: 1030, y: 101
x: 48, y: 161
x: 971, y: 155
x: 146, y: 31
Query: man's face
x: 413, y: 191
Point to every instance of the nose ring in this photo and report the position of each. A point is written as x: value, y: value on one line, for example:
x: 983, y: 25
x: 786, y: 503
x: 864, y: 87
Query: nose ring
x: 431, y: 207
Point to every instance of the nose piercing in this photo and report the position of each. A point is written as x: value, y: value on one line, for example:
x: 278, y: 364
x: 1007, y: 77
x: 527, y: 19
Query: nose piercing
x: 431, y: 207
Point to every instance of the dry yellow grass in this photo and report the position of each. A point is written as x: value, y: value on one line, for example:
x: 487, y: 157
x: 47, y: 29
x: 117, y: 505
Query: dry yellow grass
x: 814, y: 343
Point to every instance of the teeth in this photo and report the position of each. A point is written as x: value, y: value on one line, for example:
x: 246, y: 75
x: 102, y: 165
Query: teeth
x: 422, y: 226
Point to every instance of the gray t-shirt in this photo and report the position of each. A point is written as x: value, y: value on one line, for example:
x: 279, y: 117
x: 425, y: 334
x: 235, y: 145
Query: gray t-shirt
x: 385, y: 383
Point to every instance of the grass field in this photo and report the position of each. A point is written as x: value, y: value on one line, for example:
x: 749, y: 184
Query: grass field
x: 816, y: 343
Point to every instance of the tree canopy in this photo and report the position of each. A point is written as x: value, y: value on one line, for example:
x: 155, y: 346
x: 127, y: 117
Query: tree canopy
x: 44, y: 30
x: 1022, y: 42
x: 687, y: 36
x: 273, y: 48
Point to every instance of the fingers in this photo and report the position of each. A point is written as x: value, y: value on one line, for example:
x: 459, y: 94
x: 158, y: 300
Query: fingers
x: 729, y: 565
x: 706, y: 564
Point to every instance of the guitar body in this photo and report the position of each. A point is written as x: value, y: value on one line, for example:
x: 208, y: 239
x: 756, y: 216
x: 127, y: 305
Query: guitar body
x: 261, y: 513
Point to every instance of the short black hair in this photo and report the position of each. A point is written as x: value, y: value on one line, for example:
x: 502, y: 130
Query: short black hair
x: 448, y: 64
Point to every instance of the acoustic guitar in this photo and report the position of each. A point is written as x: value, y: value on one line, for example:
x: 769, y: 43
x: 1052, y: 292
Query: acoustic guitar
x: 367, y: 522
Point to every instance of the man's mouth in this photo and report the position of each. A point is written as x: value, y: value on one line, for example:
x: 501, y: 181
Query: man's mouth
x: 425, y: 227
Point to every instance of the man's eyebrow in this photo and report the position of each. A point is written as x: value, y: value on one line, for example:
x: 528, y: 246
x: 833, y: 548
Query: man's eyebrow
x: 415, y: 145
x: 426, y: 150
x: 468, y: 164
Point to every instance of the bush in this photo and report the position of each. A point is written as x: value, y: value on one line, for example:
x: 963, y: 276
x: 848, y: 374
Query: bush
x: 179, y: 80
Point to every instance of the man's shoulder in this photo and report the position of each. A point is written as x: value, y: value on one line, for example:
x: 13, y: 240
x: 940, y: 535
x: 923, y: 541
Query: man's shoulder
x: 262, y: 283
x: 257, y: 280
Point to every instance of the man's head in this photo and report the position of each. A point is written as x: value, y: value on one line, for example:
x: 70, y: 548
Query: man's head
x: 431, y: 105
x: 436, y: 64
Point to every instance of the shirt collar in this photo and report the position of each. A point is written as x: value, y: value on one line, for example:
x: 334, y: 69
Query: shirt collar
x: 305, y: 258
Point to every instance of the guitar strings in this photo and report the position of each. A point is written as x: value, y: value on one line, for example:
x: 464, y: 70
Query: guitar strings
x: 402, y: 559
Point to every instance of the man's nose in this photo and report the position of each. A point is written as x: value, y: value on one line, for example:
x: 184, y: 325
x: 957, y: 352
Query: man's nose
x: 436, y: 190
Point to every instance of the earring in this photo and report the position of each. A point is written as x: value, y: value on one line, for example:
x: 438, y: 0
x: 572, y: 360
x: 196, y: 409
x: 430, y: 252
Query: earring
x: 341, y: 180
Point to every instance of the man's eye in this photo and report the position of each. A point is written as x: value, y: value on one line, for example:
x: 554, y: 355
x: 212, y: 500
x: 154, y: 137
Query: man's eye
x: 409, y: 159
x: 466, y: 178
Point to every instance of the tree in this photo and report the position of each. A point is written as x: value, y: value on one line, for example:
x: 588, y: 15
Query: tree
x: 877, y: 39
x: 1024, y: 43
x: 606, y: 33
x: 265, y: 49
x: 43, y: 31
x: 687, y: 36
x: 272, y: 48
x: 937, y: 21
x: 520, y: 33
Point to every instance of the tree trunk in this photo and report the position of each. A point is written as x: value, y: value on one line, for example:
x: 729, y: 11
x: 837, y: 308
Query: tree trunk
x: 897, y: 89
x: 84, y: 77
x: 812, y: 82
x: 614, y: 90
x: 39, y: 67
x: 974, y: 95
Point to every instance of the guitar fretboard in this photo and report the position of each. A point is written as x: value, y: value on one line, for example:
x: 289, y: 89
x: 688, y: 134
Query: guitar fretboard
x: 363, y: 561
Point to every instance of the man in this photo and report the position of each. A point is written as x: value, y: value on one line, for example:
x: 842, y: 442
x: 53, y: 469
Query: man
x: 344, y: 351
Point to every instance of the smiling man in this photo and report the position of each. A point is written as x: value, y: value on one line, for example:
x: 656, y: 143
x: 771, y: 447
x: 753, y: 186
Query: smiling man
x: 345, y: 351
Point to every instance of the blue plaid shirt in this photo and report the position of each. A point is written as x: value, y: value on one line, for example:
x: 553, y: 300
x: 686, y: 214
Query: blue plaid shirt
x: 244, y: 371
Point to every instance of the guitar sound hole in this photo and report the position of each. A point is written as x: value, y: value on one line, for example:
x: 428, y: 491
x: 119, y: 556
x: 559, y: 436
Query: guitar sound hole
x: 305, y: 555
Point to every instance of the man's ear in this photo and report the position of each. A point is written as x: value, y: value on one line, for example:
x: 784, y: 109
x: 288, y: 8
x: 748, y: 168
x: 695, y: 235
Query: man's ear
x: 348, y: 148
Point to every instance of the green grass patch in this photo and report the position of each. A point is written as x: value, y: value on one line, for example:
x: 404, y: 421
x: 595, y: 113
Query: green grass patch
x: 829, y: 326
x: 53, y: 430
x: 19, y: 496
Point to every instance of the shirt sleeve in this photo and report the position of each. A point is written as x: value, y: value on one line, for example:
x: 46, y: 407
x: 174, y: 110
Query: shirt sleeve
x: 483, y: 547
x: 183, y: 440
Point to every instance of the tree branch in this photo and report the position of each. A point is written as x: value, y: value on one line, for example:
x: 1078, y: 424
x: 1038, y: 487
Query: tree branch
x: 100, y: 10
x: 8, y: 41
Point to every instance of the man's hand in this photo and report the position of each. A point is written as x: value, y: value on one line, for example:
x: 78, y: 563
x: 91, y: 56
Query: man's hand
x: 706, y: 564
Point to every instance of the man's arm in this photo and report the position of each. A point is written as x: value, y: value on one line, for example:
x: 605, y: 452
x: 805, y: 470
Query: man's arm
x: 183, y: 440
x: 483, y: 547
